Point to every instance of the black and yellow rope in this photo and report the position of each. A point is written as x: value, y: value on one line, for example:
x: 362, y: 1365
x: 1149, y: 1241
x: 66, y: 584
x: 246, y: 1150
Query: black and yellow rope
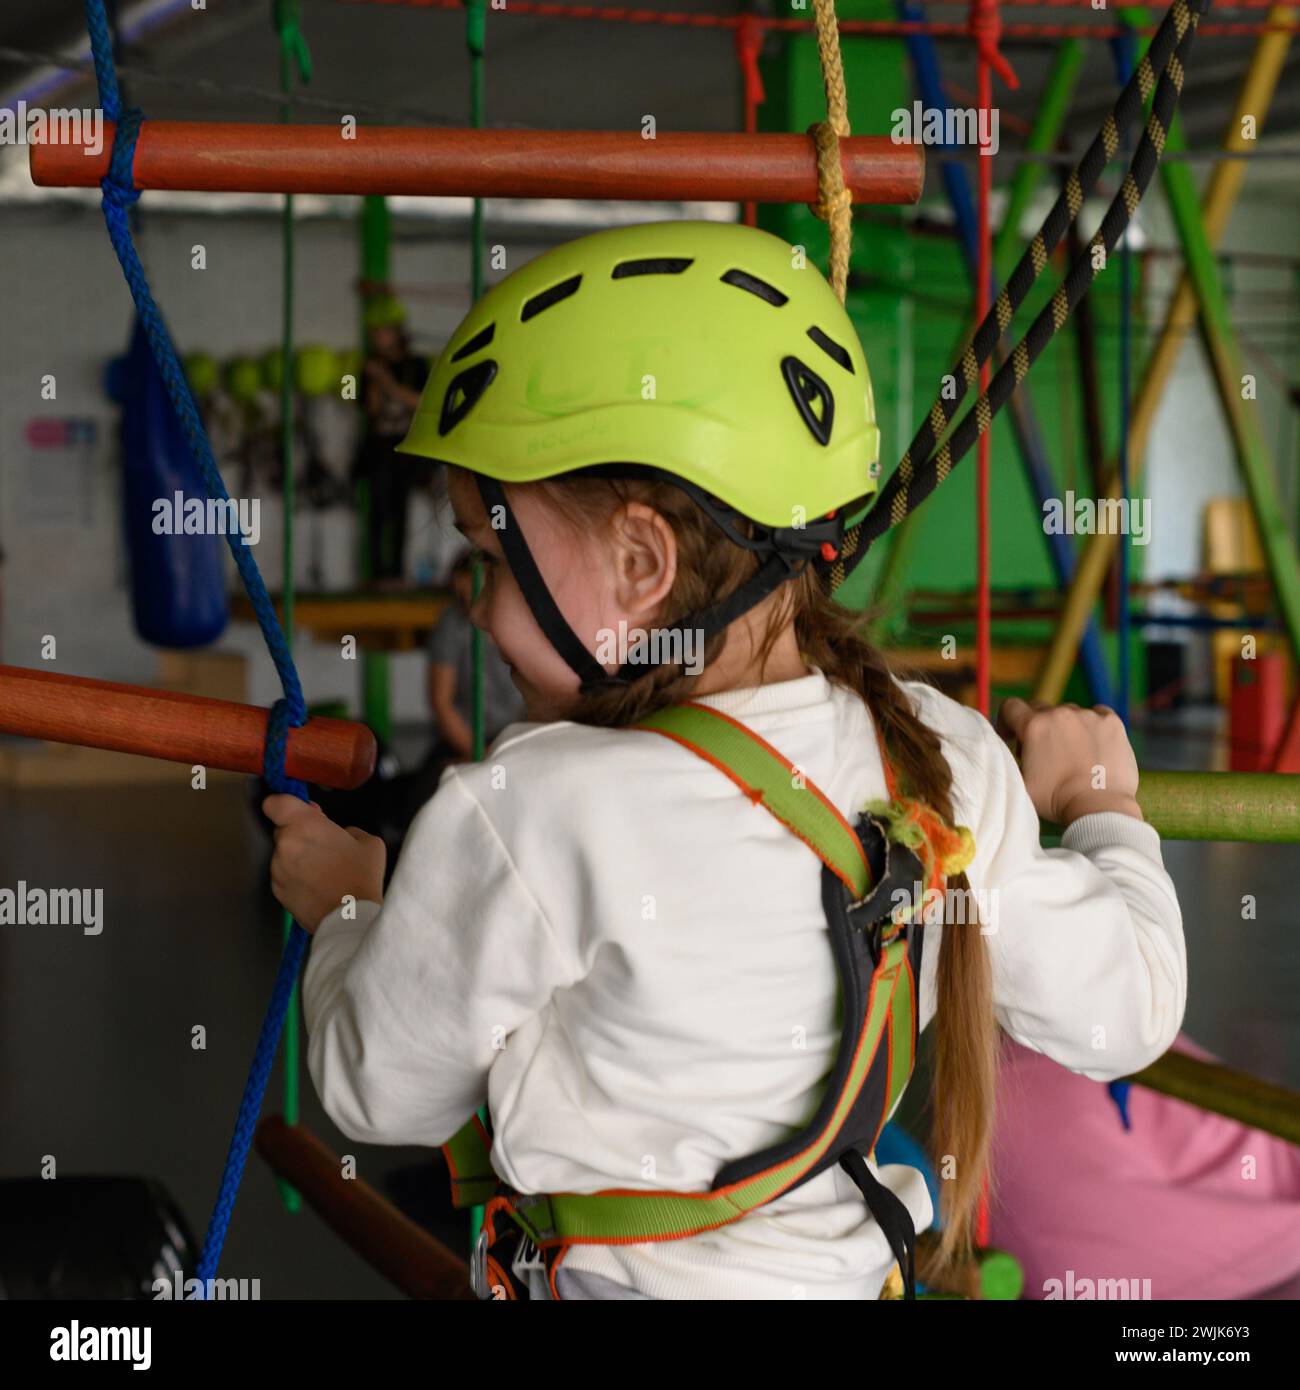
x: 923, y: 467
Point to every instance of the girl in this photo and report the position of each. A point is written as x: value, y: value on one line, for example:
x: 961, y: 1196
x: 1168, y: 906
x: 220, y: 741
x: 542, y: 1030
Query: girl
x: 662, y: 428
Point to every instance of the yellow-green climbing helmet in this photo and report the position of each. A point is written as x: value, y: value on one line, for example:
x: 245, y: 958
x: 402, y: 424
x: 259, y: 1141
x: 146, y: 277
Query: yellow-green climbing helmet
x: 710, y: 351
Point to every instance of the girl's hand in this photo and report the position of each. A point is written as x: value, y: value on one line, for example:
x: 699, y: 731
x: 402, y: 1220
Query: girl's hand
x: 317, y: 864
x: 1074, y: 761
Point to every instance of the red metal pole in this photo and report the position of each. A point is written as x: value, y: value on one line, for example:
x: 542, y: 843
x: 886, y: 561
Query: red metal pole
x: 749, y: 44
x: 176, y: 727
x: 985, y: 24
x: 236, y: 158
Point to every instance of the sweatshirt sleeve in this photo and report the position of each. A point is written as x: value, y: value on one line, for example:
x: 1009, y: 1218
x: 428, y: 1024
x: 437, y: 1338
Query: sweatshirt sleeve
x: 1086, y: 940
x: 407, y: 1006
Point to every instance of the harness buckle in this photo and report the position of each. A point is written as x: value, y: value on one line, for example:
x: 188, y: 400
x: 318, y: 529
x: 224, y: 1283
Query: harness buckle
x: 897, y: 869
x: 531, y: 1212
x: 528, y: 1257
x: 478, y: 1279
x: 799, y: 546
x: 808, y: 540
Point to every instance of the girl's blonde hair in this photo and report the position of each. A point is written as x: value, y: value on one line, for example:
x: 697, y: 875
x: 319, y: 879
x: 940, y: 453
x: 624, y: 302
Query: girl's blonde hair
x: 831, y: 638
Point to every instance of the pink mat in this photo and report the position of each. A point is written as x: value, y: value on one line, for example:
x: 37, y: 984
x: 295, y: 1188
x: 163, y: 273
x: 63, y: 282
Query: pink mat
x: 1168, y: 1201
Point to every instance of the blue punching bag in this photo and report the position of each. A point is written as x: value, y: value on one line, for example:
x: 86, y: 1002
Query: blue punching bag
x: 178, y: 589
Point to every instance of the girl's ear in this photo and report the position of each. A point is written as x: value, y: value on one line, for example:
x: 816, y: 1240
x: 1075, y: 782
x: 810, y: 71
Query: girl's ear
x: 645, y: 558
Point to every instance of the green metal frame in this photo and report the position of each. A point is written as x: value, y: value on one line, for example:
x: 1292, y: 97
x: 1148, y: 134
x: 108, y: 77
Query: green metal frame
x: 1247, y: 807
x: 376, y: 263
x: 1224, y: 352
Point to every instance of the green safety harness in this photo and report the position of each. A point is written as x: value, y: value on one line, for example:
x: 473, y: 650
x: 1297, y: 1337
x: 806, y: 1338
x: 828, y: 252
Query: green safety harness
x: 870, y: 878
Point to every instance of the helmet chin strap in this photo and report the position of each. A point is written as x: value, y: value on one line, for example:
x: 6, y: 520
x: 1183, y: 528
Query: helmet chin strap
x: 538, y: 596
x: 774, y: 572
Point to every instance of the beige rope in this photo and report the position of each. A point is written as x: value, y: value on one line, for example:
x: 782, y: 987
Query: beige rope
x: 835, y: 201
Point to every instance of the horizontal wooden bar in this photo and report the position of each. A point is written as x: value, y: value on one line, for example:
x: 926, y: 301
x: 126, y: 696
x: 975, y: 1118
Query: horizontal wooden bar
x: 226, y: 157
x: 1009, y: 665
x: 1236, y: 1094
x: 1259, y: 807
x: 392, y: 1243
x: 379, y: 621
x: 176, y: 727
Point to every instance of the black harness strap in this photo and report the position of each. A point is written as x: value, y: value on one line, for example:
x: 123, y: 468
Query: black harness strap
x: 891, y: 1215
x: 770, y: 575
x: 538, y: 596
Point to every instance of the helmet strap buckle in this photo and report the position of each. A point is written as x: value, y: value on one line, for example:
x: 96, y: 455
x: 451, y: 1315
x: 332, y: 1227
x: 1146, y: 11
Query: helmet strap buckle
x: 809, y: 542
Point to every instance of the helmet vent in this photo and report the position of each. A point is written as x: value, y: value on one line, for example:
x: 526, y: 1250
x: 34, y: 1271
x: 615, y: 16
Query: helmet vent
x: 754, y: 285
x: 812, y: 396
x: 475, y: 344
x: 535, y: 305
x: 831, y: 348
x: 653, y: 265
x: 464, y: 392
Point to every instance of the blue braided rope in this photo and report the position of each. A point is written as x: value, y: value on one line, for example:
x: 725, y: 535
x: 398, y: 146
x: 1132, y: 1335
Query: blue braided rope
x: 291, y: 711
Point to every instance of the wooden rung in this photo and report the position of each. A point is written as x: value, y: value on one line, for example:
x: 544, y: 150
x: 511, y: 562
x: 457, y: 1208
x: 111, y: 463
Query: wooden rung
x: 392, y: 1243
x: 180, y: 728
x: 229, y: 157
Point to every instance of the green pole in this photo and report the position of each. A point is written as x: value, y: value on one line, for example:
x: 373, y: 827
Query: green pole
x: 1228, y: 365
x: 1241, y: 807
x: 1243, y: 416
x: 293, y: 55
x: 1248, y: 1099
x: 1291, y: 402
x: 376, y: 251
x: 376, y: 242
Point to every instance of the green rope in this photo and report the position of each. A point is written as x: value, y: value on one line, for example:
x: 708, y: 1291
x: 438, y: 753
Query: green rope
x: 475, y: 36
x: 293, y: 54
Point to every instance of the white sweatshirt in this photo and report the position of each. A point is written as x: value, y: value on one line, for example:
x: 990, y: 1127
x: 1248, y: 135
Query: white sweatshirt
x: 595, y: 932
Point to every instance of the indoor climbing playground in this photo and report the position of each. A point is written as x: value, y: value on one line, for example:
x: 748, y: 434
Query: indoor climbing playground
x: 410, y: 407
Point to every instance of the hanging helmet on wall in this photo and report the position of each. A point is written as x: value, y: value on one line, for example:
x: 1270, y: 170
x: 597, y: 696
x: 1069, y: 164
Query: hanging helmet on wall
x: 243, y: 378
x: 316, y: 370
x: 202, y: 373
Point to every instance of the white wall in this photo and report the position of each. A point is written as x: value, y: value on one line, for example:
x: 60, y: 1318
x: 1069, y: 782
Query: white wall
x: 1191, y: 456
x: 66, y: 311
